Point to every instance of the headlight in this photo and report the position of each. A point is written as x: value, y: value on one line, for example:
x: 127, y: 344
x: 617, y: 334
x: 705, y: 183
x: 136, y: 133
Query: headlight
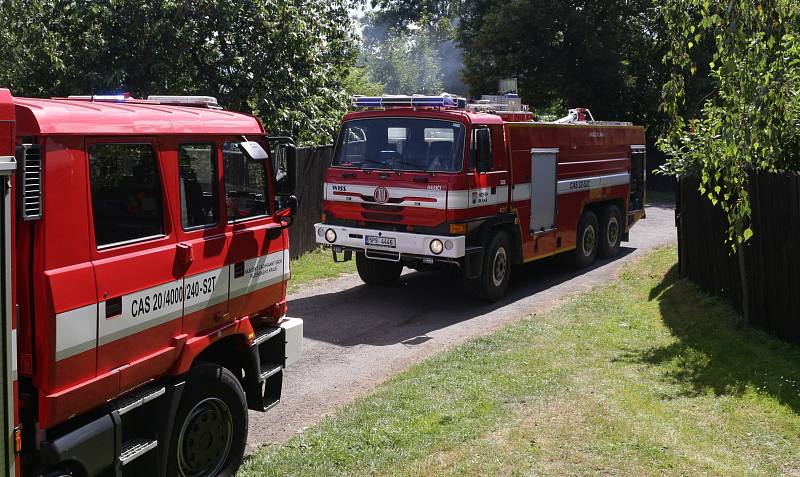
x: 448, y: 244
x: 330, y: 235
x: 436, y: 246
x: 321, y: 232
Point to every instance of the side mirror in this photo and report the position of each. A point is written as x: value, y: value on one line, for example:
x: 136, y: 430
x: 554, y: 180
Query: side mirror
x: 287, y: 207
x: 284, y: 166
x: 253, y: 150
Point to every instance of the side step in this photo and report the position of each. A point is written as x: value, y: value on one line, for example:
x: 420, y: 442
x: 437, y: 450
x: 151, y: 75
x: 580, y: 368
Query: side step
x: 269, y: 370
x: 139, y: 398
x: 136, y: 448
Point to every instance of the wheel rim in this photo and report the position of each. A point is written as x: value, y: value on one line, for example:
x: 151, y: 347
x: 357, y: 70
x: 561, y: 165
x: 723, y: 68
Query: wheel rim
x: 612, y: 231
x: 205, y: 439
x: 500, y: 266
x: 589, y: 240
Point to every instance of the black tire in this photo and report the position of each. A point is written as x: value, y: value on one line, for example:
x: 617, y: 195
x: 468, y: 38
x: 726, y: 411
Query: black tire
x: 210, y: 430
x: 492, y: 284
x: 610, y: 232
x: 586, y: 240
x: 378, y: 272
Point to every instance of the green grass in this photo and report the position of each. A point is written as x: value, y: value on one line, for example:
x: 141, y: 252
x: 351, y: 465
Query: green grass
x: 646, y: 376
x: 316, y: 265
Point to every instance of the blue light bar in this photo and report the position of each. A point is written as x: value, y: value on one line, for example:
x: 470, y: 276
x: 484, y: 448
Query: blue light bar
x: 415, y: 101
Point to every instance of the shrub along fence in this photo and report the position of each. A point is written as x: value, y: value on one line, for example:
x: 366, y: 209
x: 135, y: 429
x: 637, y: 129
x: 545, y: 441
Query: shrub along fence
x: 312, y: 162
x: 770, y: 264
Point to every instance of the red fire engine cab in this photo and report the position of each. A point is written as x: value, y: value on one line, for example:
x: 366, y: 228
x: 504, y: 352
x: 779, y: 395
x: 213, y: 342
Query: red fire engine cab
x: 144, y: 267
x: 431, y: 182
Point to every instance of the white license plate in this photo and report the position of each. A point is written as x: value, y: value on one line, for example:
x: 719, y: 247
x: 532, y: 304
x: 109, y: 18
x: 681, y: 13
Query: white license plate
x: 388, y: 242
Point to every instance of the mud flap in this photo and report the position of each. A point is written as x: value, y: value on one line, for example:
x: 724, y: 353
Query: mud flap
x: 473, y: 263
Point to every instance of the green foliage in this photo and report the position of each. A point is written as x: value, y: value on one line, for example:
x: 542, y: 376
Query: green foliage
x: 751, y: 120
x: 284, y: 61
x: 358, y: 82
x: 437, y: 20
x: 602, y: 54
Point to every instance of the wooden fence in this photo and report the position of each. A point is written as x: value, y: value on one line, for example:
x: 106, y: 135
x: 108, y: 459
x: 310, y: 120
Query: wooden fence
x: 311, y: 165
x: 771, y: 259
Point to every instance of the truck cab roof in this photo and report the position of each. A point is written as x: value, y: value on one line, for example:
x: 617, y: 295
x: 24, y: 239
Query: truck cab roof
x: 458, y: 115
x: 80, y: 117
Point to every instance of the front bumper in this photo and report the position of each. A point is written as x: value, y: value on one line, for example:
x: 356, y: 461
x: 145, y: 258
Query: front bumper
x: 293, y: 336
x: 405, y: 243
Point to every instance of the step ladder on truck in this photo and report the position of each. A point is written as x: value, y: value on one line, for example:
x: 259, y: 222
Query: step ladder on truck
x: 144, y: 268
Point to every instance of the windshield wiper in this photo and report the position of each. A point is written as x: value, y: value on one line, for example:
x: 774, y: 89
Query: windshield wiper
x: 373, y: 161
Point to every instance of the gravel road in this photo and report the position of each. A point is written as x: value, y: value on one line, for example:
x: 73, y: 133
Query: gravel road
x: 357, y: 336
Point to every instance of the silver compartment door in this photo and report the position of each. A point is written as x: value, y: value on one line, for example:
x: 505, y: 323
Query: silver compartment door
x: 544, y: 163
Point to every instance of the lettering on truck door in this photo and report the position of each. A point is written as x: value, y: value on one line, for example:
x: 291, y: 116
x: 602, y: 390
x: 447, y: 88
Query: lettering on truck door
x: 135, y: 259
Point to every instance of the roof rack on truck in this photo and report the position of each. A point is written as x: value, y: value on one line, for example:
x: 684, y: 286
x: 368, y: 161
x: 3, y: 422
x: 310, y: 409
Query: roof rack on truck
x: 413, y: 101
x: 171, y: 100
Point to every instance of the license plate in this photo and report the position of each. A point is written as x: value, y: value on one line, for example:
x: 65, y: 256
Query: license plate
x: 388, y: 242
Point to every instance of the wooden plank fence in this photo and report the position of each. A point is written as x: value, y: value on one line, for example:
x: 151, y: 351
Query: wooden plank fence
x: 312, y: 162
x: 771, y: 258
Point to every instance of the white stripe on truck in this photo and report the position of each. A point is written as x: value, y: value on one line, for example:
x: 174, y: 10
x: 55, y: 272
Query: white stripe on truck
x: 596, y: 182
x: 85, y: 328
x: 466, y: 199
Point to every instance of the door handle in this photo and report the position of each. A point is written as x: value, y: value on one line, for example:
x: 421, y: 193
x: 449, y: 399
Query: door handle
x: 185, y: 254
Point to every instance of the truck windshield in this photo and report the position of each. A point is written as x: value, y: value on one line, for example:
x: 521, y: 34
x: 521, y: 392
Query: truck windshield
x: 401, y: 144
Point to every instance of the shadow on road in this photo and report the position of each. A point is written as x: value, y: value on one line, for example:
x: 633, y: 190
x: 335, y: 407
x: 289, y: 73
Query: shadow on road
x: 418, y: 304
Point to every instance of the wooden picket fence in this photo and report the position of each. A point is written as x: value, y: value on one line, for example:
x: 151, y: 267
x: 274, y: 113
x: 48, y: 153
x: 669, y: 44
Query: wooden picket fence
x: 771, y: 259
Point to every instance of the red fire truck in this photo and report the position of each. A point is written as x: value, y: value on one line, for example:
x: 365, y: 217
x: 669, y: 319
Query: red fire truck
x: 144, y: 266
x: 431, y: 182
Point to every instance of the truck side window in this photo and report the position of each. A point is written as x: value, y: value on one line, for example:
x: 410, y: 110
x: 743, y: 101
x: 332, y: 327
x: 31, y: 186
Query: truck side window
x: 126, y: 193
x: 481, y: 150
x: 245, y: 184
x: 198, y: 184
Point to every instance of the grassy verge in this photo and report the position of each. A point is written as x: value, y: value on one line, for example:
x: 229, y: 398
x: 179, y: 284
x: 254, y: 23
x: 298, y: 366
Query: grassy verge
x: 316, y: 265
x: 644, y: 376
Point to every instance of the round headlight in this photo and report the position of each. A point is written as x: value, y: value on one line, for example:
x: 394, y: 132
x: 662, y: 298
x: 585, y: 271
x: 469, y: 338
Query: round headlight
x: 448, y: 244
x: 436, y: 246
x: 330, y: 235
x: 321, y: 232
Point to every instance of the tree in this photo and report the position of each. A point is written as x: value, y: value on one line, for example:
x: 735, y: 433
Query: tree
x: 404, y: 61
x: 751, y: 119
x: 437, y: 20
x: 358, y: 82
x: 601, y: 54
x: 286, y: 62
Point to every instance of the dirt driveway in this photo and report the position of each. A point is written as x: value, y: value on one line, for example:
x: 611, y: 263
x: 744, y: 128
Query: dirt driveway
x: 357, y: 336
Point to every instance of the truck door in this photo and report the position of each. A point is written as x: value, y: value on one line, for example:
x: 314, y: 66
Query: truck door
x: 488, y: 164
x: 201, y: 238
x: 258, y: 254
x: 8, y: 332
x: 139, y: 283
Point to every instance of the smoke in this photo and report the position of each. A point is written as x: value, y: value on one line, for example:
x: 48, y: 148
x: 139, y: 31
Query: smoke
x: 429, y: 61
x: 452, y: 67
